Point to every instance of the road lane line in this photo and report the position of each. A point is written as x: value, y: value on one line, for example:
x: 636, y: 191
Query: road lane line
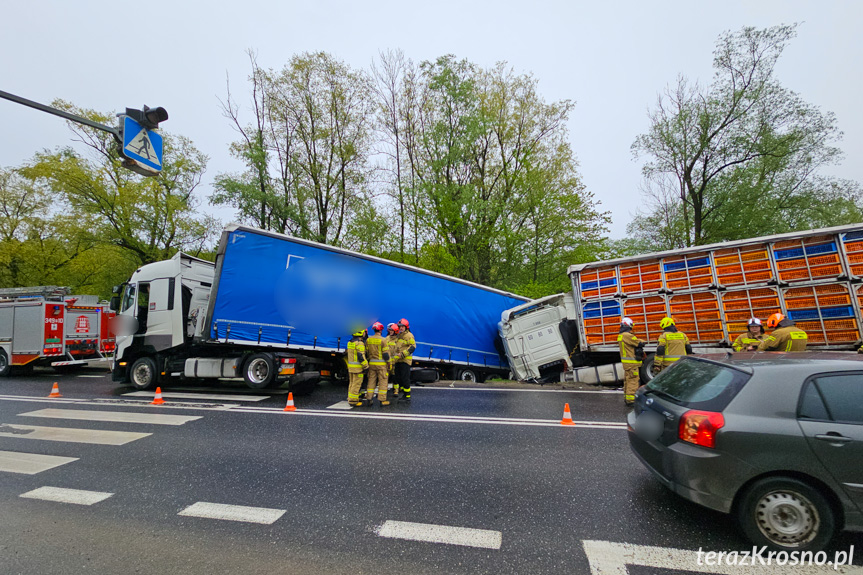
x: 121, y: 402
x: 70, y: 434
x: 341, y: 405
x: 112, y: 416
x: 431, y: 533
x: 224, y: 512
x: 31, y: 463
x: 176, y: 395
x: 63, y: 495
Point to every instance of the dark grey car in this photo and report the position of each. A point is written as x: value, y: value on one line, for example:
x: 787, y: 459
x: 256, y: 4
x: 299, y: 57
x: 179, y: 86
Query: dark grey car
x: 775, y: 439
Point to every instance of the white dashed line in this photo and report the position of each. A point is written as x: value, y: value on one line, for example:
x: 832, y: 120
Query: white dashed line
x: 441, y: 534
x: 69, y: 434
x: 233, y: 513
x: 30, y: 463
x: 340, y: 405
x: 112, y: 416
x: 176, y: 395
x: 63, y: 495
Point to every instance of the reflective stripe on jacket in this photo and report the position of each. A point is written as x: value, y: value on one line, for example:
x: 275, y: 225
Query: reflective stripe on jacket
x: 789, y: 338
x: 356, y: 356
x: 628, y: 345
x: 405, y: 346
x: 675, y: 343
x: 376, y: 349
x: 744, y: 340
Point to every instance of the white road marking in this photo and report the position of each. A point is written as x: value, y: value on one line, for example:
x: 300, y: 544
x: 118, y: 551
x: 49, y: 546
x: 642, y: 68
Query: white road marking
x: 30, y: 463
x: 341, y: 405
x: 233, y: 513
x: 607, y: 558
x: 112, y: 416
x: 69, y: 434
x: 63, y: 495
x: 600, y: 391
x: 440, y: 534
x: 175, y: 395
x: 275, y: 391
x: 118, y: 401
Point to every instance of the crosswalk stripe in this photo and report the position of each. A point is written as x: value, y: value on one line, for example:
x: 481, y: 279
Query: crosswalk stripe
x: 63, y: 495
x: 233, y: 513
x: 112, y: 416
x: 340, y: 405
x: 70, y: 434
x: 431, y: 533
x: 30, y: 463
x: 176, y: 395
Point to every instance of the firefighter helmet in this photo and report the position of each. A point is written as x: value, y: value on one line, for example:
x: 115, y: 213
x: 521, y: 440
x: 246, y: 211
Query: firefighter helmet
x: 378, y: 326
x: 393, y: 327
x: 754, y: 321
x: 405, y: 323
x: 666, y: 322
x: 774, y: 320
x: 627, y: 321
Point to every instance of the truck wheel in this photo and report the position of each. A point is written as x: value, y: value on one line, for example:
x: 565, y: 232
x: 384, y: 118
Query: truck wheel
x: 5, y: 366
x: 143, y: 374
x: 259, y: 370
x: 786, y: 514
x: 645, y: 371
x: 467, y: 375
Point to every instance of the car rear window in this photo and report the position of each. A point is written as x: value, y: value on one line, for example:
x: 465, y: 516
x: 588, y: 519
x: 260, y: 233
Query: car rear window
x: 699, y: 384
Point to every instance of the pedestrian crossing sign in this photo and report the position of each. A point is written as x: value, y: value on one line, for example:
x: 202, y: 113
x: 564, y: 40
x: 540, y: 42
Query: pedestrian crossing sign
x: 142, y: 147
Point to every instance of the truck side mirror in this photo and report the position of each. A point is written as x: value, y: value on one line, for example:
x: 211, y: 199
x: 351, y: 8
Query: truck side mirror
x: 115, y: 303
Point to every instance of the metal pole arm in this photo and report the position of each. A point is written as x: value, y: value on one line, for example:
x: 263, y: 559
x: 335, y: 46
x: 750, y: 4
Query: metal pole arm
x: 61, y: 113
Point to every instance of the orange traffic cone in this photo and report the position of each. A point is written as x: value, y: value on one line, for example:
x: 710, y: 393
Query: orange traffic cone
x: 158, y: 399
x: 290, y: 406
x: 55, y: 391
x: 567, y: 416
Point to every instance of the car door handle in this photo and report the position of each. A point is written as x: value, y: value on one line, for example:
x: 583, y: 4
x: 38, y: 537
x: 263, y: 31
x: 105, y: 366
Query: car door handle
x: 833, y: 438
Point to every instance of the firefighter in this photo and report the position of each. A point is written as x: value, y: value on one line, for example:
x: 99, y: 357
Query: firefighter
x: 672, y: 345
x: 378, y: 355
x: 405, y: 347
x: 631, y: 354
x: 750, y: 340
x: 392, y: 337
x: 785, y: 335
x: 356, y: 360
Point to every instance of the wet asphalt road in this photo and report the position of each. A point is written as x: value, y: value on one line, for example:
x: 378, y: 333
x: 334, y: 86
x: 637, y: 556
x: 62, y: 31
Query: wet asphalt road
x: 338, y: 477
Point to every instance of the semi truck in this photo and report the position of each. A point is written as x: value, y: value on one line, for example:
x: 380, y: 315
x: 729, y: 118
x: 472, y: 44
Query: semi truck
x: 274, y: 309
x: 45, y: 326
x: 814, y: 277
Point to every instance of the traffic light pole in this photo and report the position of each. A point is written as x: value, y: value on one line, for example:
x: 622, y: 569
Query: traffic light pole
x: 61, y: 113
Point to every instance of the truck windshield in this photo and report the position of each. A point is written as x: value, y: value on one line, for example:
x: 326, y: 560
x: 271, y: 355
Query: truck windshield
x: 699, y: 384
x: 128, y: 297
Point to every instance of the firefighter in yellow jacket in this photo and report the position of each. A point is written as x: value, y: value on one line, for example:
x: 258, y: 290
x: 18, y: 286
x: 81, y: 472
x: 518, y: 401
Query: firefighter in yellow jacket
x: 785, y: 335
x: 750, y: 340
x: 631, y: 353
x: 405, y: 347
x: 356, y: 360
x: 392, y: 337
x: 378, y: 355
x: 672, y: 345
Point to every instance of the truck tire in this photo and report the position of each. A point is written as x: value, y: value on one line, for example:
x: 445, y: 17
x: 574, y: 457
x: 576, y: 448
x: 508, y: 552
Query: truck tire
x: 259, y: 370
x: 143, y: 374
x: 5, y: 365
x: 467, y: 375
x: 645, y: 371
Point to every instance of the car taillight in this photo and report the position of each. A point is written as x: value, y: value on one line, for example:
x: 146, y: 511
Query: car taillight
x: 289, y: 360
x: 700, y: 427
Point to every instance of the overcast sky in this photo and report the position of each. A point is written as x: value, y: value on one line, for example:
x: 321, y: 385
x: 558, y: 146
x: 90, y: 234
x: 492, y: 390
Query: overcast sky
x: 611, y: 58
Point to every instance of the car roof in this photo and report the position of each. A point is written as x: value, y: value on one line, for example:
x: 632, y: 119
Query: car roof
x: 815, y: 361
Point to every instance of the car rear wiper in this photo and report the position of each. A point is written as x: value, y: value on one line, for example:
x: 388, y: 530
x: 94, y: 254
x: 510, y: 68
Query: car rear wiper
x: 652, y: 391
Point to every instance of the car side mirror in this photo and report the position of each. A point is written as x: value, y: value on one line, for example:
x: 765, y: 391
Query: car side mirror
x: 115, y: 303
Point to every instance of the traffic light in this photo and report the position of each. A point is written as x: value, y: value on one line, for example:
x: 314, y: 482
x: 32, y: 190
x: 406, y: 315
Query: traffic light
x: 148, y: 117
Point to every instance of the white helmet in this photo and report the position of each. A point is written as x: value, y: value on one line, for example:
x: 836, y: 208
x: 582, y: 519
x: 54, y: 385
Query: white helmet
x: 754, y: 321
x: 627, y: 321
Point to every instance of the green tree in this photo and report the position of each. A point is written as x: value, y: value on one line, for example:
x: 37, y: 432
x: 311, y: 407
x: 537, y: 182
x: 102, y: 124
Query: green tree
x: 742, y: 150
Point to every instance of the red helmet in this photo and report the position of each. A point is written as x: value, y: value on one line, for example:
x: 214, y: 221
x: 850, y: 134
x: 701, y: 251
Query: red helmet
x: 774, y: 320
x: 405, y: 323
x: 378, y: 326
x: 393, y: 326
